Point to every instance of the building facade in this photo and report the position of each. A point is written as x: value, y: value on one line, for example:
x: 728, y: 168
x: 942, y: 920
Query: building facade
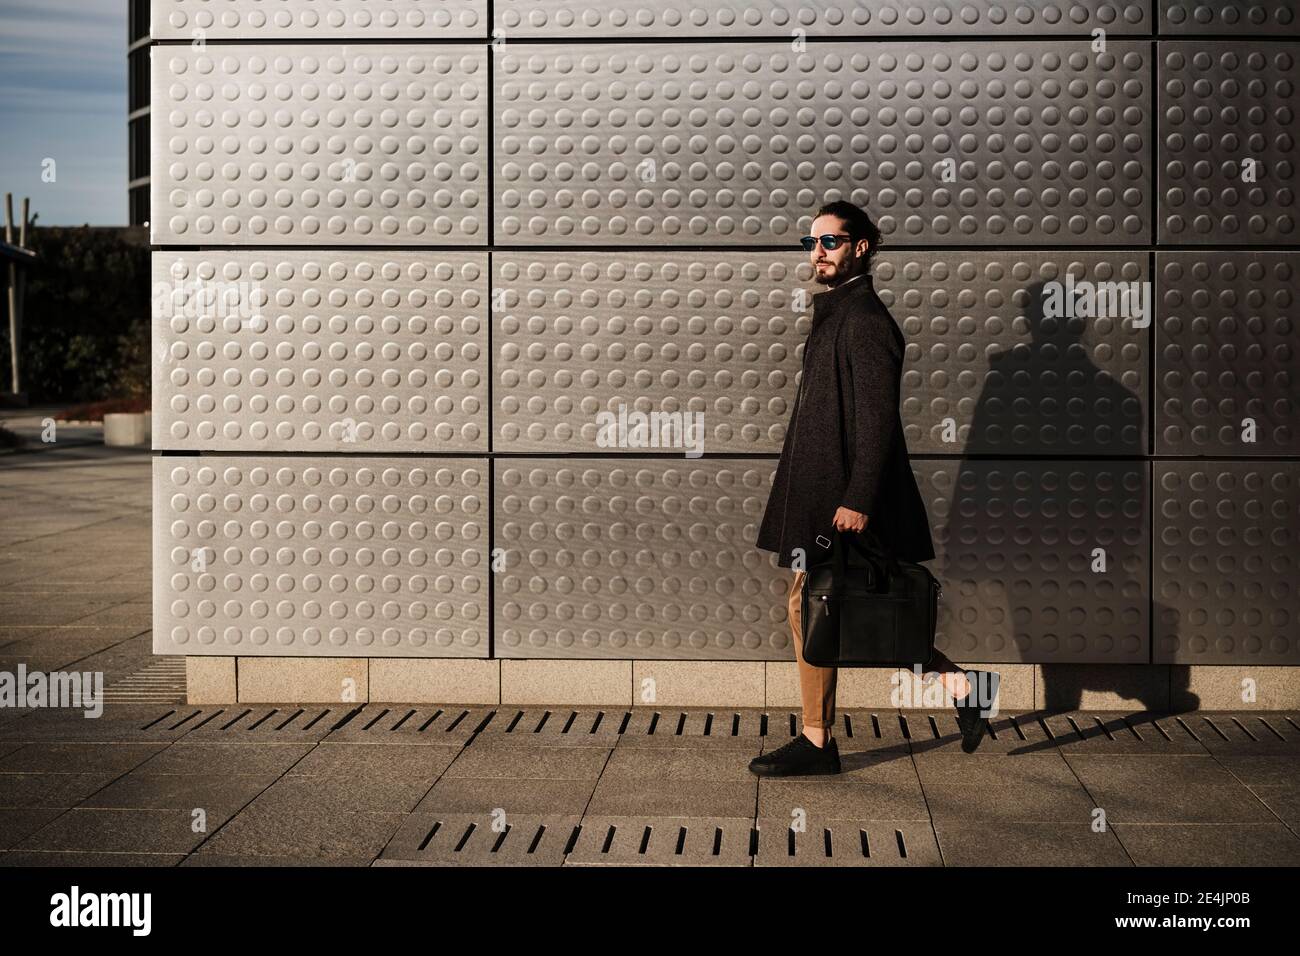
x: 416, y: 263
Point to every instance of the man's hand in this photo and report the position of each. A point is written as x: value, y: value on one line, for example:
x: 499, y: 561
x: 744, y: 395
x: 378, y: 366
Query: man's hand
x: 848, y: 520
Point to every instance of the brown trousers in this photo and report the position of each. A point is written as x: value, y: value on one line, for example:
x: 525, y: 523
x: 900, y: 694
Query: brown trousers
x: 816, y: 684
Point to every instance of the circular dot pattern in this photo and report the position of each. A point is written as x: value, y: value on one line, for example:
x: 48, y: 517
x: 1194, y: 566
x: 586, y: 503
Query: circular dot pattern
x: 1226, y: 366
x: 736, y: 144
x: 304, y: 351
x: 292, y: 556
x: 319, y: 144
x: 1227, y: 541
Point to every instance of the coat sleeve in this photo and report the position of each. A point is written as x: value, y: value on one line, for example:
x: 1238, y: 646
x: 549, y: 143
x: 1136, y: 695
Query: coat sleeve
x: 874, y: 369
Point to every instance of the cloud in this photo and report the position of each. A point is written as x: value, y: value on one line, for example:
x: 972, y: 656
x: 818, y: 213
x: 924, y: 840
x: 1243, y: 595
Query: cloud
x: 63, y: 86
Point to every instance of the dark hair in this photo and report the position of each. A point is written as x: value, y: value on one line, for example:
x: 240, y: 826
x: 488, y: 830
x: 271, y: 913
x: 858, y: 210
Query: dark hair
x: 858, y: 225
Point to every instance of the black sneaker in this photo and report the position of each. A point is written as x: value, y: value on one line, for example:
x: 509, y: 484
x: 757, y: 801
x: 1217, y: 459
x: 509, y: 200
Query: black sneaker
x: 800, y: 756
x: 973, y: 710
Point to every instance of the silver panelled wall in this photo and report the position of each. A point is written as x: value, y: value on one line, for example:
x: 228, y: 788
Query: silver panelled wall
x: 406, y: 252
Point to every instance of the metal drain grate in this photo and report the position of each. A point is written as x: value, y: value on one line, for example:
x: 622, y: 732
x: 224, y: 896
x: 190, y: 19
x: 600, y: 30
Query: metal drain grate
x: 411, y: 724
x: 918, y: 731
x: 469, y: 839
x: 847, y: 843
x: 160, y: 682
x: 267, y: 724
x: 662, y: 841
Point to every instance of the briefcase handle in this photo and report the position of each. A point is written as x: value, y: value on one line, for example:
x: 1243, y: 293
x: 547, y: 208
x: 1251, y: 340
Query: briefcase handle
x: 872, y: 548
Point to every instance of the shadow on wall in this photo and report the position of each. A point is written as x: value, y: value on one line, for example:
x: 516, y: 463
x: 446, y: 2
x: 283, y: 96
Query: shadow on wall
x: 1051, y: 383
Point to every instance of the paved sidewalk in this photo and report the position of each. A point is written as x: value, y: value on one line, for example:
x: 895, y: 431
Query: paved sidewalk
x: 393, y: 784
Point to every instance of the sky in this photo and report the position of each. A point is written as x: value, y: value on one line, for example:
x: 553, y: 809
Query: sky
x: 63, y: 97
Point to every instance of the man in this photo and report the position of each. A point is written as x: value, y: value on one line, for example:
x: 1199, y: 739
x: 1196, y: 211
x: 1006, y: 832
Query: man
x: 844, y: 464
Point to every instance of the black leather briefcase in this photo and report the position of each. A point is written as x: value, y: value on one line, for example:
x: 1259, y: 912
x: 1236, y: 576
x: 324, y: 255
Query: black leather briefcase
x: 863, y: 607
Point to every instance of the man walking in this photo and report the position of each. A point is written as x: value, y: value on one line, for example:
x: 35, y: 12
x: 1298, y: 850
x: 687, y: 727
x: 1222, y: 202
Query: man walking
x: 844, y: 463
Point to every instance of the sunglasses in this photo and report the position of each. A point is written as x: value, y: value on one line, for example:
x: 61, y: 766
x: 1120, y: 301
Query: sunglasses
x: 828, y: 241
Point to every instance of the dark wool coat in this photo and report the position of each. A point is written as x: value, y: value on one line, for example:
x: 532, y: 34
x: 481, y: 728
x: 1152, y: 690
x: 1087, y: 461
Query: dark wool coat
x: 844, y: 445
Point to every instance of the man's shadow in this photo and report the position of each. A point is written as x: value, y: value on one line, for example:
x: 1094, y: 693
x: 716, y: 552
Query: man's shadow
x: 1049, y: 392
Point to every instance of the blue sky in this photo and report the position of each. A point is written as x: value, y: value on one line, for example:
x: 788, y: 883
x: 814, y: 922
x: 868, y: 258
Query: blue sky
x: 63, y: 97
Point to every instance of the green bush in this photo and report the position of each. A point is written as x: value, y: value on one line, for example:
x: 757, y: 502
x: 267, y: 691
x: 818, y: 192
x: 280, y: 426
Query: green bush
x: 86, y: 323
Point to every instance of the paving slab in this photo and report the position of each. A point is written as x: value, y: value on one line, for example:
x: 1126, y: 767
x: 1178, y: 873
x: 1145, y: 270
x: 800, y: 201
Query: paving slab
x: 473, y: 795
x: 61, y: 790
x: 304, y: 833
x: 120, y: 831
x: 1019, y: 843
x: 361, y: 761
x: 220, y: 795
x: 335, y: 794
x: 77, y: 757
x: 17, y: 824
x: 1214, y: 845
x: 80, y: 859
x: 632, y: 796
x: 827, y: 798
x: 199, y: 758
x: 505, y: 760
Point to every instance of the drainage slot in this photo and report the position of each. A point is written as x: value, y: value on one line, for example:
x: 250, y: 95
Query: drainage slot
x: 291, y: 720
x: 376, y: 719
x: 573, y: 715
x: 826, y: 842
x: 264, y: 718
x: 460, y: 845
x: 405, y: 717
x: 501, y: 839
x: 546, y: 715
x: 237, y: 720
x: 537, y: 838
x: 866, y: 843
x: 681, y: 724
x: 157, y: 719
x: 645, y: 841
x: 436, y: 714
x: 437, y: 824
x: 573, y: 839
x: 1270, y: 728
x: 681, y: 840
x: 708, y: 724
x: 1245, y: 730
x: 717, y: 841
x: 1191, y: 733
x: 609, y: 839
x: 452, y: 725
x: 600, y: 715
x: 654, y: 722
x: 902, y: 846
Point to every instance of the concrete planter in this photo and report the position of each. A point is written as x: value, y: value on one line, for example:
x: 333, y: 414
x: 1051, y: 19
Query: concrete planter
x: 128, y: 429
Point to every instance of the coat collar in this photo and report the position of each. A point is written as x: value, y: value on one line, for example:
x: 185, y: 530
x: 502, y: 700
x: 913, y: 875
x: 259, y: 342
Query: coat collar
x: 858, y: 285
